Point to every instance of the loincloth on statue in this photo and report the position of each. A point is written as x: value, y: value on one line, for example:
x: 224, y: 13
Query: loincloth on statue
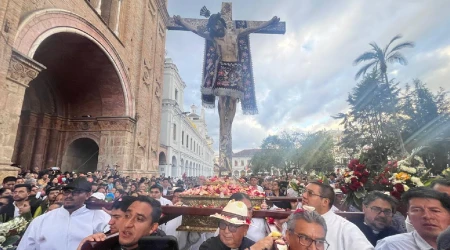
x: 229, y: 80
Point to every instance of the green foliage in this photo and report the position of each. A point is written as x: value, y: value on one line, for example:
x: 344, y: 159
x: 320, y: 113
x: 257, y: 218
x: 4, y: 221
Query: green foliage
x: 370, y: 121
x: 425, y: 117
x: 289, y: 151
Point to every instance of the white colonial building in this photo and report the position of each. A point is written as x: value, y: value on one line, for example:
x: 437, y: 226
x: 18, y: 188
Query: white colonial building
x: 242, y: 161
x: 184, y: 135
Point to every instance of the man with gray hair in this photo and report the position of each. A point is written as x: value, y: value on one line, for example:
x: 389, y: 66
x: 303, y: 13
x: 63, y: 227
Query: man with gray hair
x: 378, y: 209
x: 306, y: 228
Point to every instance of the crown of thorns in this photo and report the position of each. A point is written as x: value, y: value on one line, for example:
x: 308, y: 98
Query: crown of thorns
x: 205, y: 12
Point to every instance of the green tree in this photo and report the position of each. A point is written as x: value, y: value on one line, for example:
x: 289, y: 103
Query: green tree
x: 425, y: 119
x: 316, y: 152
x: 369, y: 121
x: 378, y: 59
x: 289, y: 151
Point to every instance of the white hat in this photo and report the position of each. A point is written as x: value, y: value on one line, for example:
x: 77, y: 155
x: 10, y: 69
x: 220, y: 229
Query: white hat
x: 98, y: 195
x: 235, y: 212
x: 337, y: 191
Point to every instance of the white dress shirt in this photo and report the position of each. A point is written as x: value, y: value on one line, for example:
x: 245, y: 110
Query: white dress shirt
x: 16, y: 210
x: 342, y: 234
x: 167, y: 230
x: 59, y: 230
x: 257, y: 229
x: 405, y: 241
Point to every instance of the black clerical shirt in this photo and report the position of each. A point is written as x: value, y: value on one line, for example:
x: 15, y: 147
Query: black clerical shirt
x: 372, y: 236
x: 214, y: 243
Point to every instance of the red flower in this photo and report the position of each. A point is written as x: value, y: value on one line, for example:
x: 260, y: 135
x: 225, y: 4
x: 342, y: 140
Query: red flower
x: 300, y: 210
x: 344, y: 190
x: 384, y: 181
x: 353, y: 162
x: 248, y: 221
x: 360, y: 167
x: 396, y: 194
x: 399, y: 188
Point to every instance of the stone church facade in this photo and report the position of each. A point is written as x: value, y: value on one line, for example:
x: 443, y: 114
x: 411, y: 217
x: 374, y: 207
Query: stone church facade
x: 81, y: 84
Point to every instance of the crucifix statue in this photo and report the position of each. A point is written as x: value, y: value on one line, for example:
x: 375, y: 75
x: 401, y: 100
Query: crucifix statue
x: 227, y: 66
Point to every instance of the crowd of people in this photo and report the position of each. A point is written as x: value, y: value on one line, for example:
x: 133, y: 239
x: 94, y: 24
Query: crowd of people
x: 55, y: 203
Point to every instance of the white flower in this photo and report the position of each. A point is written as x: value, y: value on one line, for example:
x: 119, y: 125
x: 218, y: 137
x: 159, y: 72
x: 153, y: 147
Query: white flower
x: 348, y: 179
x: 405, y: 187
x: 416, y: 181
x: 2, y: 239
x: 408, y: 169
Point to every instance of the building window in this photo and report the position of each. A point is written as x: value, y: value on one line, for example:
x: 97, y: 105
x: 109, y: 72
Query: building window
x: 235, y: 163
x: 182, y: 137
x: 176, y: 95
x: 187, y: 141
x: 191, y: 143
x: 242, y: 162
x: 174, y: 132
x: 248, y: 162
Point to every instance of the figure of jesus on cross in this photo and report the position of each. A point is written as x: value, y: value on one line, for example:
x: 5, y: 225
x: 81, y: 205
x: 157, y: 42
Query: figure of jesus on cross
x: 227, y: 70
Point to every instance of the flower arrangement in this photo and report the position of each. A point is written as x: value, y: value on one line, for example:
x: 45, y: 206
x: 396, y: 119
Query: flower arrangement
x: 223, y: 187
x: 297, y: 186
x: 353, y: 182
x: 399, y: 177
x: 10, y: 232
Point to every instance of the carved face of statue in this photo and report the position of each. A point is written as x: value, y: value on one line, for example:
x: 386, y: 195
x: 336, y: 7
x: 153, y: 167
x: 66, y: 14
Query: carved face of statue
x: 219, y: 29
x: 216, y: 26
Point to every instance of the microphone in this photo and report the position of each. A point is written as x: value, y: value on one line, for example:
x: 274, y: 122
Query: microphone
x: 443, y: 240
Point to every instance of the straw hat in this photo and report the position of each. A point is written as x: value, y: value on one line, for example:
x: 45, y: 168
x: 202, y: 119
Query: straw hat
x: 235, y: 212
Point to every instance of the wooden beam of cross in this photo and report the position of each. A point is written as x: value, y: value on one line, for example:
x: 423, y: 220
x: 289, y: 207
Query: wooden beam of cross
x: 227, y: 14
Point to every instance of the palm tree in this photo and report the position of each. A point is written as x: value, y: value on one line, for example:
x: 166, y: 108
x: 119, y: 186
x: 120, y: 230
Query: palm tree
x: 379, y: 59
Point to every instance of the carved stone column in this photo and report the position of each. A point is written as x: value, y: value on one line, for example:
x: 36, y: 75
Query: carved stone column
x: 20, y: 72
x: 114, y: 16
x: 97, y: 5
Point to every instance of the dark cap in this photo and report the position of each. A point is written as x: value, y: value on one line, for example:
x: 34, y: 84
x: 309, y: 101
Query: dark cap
x: 49, y: 189
x: 79, y: 184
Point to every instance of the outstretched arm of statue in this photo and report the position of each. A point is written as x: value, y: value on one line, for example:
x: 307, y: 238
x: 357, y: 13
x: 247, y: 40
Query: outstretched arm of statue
x: 178, y: 20
x: 248, y: 31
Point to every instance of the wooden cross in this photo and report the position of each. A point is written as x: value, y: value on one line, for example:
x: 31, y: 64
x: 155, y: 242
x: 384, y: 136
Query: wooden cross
x: 227, y: 14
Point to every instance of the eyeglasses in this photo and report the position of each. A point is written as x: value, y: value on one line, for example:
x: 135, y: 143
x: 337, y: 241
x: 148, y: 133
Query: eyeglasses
x: 306, y: 241
x: 310, y: 193
x: 73, y: 192
x: 231, y: 227
x: 378, y: 210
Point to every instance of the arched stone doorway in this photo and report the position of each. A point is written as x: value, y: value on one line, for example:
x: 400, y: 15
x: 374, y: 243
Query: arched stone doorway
x: 81, y: 156
x: 79, y: 94
x: 162, y: 159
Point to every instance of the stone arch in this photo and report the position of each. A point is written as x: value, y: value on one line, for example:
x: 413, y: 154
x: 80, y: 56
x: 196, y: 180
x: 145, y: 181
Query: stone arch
x: 162, y: 158
x: 81, y: 156
x: 40, y: 25
x: 80, y: 90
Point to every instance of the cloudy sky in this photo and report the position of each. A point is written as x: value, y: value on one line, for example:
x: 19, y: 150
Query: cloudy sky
x: 304, y: 76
